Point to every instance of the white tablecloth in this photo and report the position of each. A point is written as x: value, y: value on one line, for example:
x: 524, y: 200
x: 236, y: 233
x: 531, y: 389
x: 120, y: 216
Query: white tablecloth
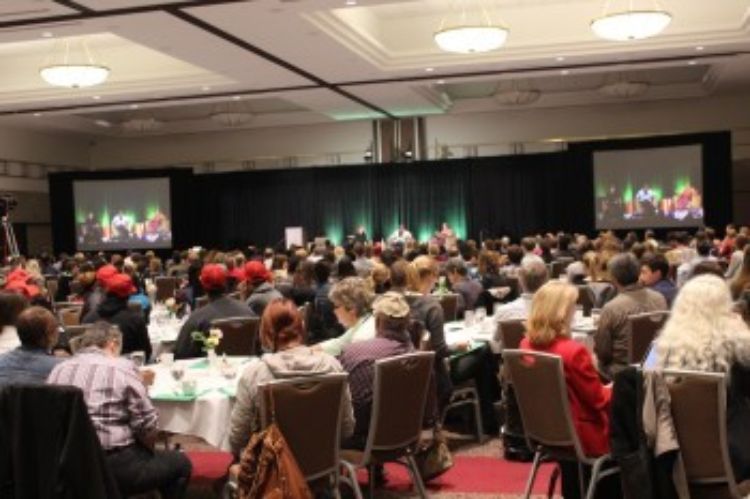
x: 163, y: 332
x: 207, y: 416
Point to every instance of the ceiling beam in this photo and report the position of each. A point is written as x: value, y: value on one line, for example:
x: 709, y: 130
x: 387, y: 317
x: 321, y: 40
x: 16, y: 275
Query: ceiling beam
x: 229, y: 38
x: 71, y: 4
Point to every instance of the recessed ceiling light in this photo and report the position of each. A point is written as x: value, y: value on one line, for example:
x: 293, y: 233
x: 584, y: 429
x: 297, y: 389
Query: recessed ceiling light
x: 236, y: 97
x: 36, y: 115
x: 47, y: 34
x: 133, y: 106
x: 564, y: 72
x: 351, y: 2
x: 103, y: 123
x: 441, y: 82
x: 560, y: 58
x: 699, y: 48
x: 206, y: 88
x: 429, y: 70
x: 96, y: 97
x: 692, y: 63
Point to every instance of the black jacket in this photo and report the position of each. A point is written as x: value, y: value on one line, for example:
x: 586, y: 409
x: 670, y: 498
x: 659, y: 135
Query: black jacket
x: 132, y: 324
x: 200, y: 320
x: 48, y: 446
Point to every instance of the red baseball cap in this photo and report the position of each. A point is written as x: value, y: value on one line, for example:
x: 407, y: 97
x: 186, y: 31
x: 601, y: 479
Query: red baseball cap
x: 18, y: 275
x: 20, y: 287
x: 213, y: 276
x: 120, y: 285
x: 238, y: 273
x: 104, y: 273
x: 255, y: 271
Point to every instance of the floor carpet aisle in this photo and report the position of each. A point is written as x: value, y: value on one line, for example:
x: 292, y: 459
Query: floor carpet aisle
x: 478, y: 473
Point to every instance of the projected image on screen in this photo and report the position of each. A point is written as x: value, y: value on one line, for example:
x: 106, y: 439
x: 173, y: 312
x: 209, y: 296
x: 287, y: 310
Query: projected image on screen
x: 122, y: 214
x: 643, y: 188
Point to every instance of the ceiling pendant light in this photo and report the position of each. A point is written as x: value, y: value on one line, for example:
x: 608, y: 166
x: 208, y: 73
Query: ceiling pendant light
x: 470, y: 33
x: 74, y: 69
x: 633, y: 23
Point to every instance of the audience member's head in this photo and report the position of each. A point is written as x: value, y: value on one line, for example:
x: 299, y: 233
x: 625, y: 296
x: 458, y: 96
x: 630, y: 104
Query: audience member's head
x: 391, y: 316
x: 345, y: 268
x: 351, y: 298
x: 37, y: 328
x: 214, y: 279
x: 707, y: 267
x: 380, y: 277
x: 11, y: 304
x: 322, y: 271
x: 456, y: 270
x: 281, y: 326
x: 577, y: 273
x: 704, y: 247
x: 403, y: 276
x: 256, y: 273
x: 104, y: 273
x: 654, y: 268
x: 515, y: 254
x: 426, y: 272
x: 532, y: 274
x: 120, y: 286
x: 624, y: 269
x: 100, y: 335
x: 552, y: 311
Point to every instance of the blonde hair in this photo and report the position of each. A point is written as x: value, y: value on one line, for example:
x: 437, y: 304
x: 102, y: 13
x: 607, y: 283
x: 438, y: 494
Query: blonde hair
x: 426, y: 267
x: 703, y: 333
x: 552, y: 309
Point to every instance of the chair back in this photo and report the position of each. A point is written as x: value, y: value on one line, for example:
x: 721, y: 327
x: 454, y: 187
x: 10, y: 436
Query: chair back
x: 165, y: 288
x: 51, y: 283
x: 557, y: 268
x: 449, y: 302
x: 201, y: 302
x: 400, y: 393
x: 70, y: 315
x: 539, y: 384
x: 240, y: 336
x: 586, y: 299
x: 643, y: 329
x: 698, y: 404
x: 136, y: 307
x: 314, y: 441
x: 511, y: 332
x: 305, y: 311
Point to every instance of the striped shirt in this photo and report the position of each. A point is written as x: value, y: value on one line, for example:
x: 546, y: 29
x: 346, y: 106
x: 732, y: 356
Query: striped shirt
x: 116, y: 397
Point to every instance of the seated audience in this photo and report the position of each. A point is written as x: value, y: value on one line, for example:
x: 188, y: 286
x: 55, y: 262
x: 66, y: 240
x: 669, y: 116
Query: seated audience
x: 123, y: 415
x: 611, y: 337
x: 380, y: 279
x: 358, y: 359
x: 531, y: 276
x: 742, y: 281
x: 213, y: 279
x: 114, y: 310
x: 260, y: 291
x: 548, y: 331
x: 685, y: 270
x: 281, y: 334
x: 362, y: 264
x: 655, y: 275
x: 351, y: 299
x: 735, y: 262
x: 703, y: 334
x: 11, y: 305
x: 468, y: 290
x: 98, y: 292
x: 32, y: 361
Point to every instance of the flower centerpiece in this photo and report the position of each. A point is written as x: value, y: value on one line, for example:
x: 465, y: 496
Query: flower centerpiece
x: 172, y: 307
x: 210, y: 341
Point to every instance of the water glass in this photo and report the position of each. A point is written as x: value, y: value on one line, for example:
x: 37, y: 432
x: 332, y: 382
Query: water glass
x: 468, y: 318
x: 177, y: 371
x: 166, y: 359
x: 596, y: 314
x: 480, y: 314
x: 189, y: 387
x: 138, y: 358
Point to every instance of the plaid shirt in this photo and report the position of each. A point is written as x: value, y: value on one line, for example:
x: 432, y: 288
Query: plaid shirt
x: 116, y: 397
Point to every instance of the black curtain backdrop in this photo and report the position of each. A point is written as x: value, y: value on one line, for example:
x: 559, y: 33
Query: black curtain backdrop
x: 478, y: 197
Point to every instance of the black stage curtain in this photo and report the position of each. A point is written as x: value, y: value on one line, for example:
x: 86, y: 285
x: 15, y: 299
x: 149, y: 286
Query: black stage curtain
x: 478, y: 197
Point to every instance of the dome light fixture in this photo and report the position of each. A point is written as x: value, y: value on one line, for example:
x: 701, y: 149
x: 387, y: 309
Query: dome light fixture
x: 69, y: 71
x: 632, y: 23
x: 464, y: 35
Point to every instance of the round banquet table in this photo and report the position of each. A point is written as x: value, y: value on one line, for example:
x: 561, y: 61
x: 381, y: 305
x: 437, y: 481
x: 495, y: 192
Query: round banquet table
x: 206, y: 413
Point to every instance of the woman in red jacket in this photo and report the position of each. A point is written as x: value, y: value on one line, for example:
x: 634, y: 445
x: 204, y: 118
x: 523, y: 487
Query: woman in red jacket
x: 548, y: 330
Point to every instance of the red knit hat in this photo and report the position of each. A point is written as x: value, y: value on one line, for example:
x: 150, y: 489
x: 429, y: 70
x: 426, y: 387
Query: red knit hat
x: 255, y: 271
x: 120, y: 285
x: 213, y: 276
x: 104, y: 273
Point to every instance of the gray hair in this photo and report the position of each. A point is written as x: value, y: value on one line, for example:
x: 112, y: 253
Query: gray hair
x: 624, y: 269
x: 98, y: 335
x: 532, y: 274
x: 456, y: 264
x: 352, y: 293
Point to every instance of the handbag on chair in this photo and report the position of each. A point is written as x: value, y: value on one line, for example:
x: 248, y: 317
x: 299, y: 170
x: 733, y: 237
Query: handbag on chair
x: 268, y: 469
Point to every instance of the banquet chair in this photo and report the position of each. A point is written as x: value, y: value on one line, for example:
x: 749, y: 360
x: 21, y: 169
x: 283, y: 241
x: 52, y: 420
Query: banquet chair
x: 698, y: 405
x: 449, y: 302
x: 643, y: 329
x: 464, y: 391
x: 165, y: 288
x: 511, y: 332
x: 399, y: 395
x: 542, y: 397
x: 70, y: 315
x: 201, y: 302
x: 315, y: 441
x: 586, y: 299
x: 136, y: 307
x: 68, y: 335
x: 557, y: 267
x: 240, y: 336
x: 51, y: 283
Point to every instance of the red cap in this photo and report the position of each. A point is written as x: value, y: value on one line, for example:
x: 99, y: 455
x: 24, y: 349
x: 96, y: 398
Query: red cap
x: 18, y: 275
x: 104, y: 273
x: 20, y: 287
x: 120, y: 285
x: 255, y: 271
x: 238, y: 273
x: 213, y: 276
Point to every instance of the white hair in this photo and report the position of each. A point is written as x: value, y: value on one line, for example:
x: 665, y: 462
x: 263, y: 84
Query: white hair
x: 702, y: 332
